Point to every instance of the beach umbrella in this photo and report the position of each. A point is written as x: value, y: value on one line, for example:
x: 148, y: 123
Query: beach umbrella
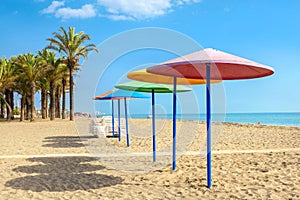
x: 211, y: 64
x: 143, y: 75
x: 151, y: 88
x: 121, y: 95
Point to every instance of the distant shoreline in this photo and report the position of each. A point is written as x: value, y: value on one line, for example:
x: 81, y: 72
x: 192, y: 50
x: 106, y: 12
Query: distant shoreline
x: 276, y: 118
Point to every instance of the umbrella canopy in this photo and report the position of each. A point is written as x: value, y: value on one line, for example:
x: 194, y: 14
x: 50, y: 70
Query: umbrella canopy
x: 103, y: 95
x: 210, y: 64
x: 144, y: 76
x: 120, y: 94
x: 224, y: 66
x: 149, y: 87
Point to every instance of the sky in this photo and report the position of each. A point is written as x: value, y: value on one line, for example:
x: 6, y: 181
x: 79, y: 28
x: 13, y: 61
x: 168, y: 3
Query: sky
x: 266, y: 31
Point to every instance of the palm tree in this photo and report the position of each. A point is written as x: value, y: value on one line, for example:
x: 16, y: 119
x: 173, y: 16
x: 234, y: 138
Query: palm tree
x: 7, y: 84
x: 71, y: 46
x: 55, y: 70
x: 23, y: 90
x: 63, y: 107
x: 2, y: 101
x: 31, y: 70
x: 57, y: 100
x: 43, y: 83
x: 44, y: 86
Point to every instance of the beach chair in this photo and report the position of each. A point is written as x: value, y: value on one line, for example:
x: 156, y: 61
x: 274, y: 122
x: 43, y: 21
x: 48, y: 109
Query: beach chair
x: 95, y: 127
x: 103, y: 126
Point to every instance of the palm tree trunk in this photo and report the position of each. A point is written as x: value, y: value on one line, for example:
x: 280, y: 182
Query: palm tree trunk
x: 52, y: 100
x: 63, y: 98
x: 27, y: 108
x: 57, y: 102
x: 71, y: 91
x: 2, y: 107
x: 11, y: 103
x: 8, y: 107
x: 32, y: 88
x: 8, y: 110
x: 23, y: 102
x: 44, y: 103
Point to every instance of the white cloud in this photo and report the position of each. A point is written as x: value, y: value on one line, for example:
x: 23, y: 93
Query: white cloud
x: 53, y: 7
x: 140, y: 9
x: 117, y: 9
x: 181, y: 2
x: 120, y: 17
x: 85, y: 11
x: 137, y: 9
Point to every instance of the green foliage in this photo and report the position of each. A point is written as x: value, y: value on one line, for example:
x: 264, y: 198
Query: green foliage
x: 16, y: 111
x: 71, y: 45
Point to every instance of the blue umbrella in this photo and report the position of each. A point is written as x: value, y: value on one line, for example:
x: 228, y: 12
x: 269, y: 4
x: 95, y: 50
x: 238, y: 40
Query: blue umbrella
x: 121, y: 95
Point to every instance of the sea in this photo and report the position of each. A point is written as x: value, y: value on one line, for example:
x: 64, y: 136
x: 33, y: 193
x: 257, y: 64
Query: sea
x: 282, y: 118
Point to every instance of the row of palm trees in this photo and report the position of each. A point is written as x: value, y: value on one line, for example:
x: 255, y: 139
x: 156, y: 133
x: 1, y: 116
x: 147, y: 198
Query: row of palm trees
x: 50, y: 71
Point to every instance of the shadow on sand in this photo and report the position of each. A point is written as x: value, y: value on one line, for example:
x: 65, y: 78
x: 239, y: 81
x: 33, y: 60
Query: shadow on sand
x: 66, y: 141
x: 62, y: 174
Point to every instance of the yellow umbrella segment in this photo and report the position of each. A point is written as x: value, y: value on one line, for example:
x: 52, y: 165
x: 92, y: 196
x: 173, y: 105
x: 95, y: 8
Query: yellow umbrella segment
x: 144, y: 76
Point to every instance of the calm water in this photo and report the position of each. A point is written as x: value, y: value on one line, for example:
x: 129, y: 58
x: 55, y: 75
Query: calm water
x: 287, y: 119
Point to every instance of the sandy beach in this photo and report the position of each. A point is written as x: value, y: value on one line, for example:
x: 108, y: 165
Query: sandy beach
x: 48, y: 160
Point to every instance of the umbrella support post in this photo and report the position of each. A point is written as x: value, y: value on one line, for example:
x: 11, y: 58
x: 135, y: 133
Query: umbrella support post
x: 119, y: 121
x: 153, y: 126
x: 174, y: 124
x: 112, y: 118
x: 208, y: 127
x: 126, y: 122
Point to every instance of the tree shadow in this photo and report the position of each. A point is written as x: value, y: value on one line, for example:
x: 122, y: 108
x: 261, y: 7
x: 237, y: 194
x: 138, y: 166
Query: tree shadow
x: 66, y: 141
x: 62, y: 174
x: 113, y: 137
x: 55, y: 165
x: 63, y: 182
x: 71, y: 137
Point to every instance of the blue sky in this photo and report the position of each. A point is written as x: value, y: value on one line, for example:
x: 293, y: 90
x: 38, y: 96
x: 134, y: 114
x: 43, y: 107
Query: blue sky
x: 264, y: 31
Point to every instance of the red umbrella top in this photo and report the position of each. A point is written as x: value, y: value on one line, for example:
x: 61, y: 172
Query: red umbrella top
x: 224, y: 66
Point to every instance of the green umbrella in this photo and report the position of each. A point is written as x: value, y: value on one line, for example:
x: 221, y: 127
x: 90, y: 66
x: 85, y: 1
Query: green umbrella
x: 153, y: 88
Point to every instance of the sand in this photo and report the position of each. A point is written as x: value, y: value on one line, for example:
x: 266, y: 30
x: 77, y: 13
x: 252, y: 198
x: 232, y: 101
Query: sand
x: 48, y: 160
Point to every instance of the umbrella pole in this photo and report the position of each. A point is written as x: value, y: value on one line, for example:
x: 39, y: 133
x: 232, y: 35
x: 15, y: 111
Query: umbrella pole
x: 208, y: 126
x: 153, y: 126
x: 174, y: 124
x: 126, y: 121
x: 112, y: 118
x: 119, y: 121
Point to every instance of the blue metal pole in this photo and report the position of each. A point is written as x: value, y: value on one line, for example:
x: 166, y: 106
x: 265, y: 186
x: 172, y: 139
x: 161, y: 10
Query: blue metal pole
x: 112, y: 118
x: 126, y: 121
x: 208, y: 126
x: 119, y: 122
x: 174, y: 124
x: 153, y: 126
